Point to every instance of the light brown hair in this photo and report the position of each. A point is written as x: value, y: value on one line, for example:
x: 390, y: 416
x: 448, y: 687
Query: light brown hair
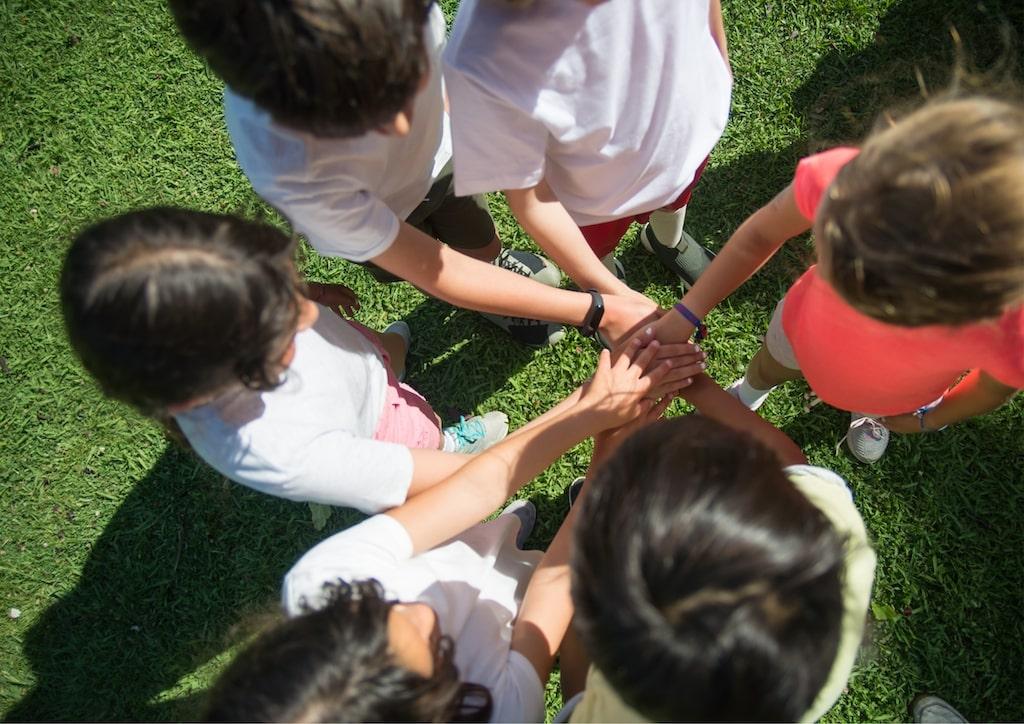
x: 926, y: 225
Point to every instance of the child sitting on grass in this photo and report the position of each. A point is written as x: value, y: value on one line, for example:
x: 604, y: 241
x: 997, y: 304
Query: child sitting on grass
x: 201, y: 319
x: 337, y: 115
x: 411, y: 616
x: 715, y: 575
x: 920, y: 274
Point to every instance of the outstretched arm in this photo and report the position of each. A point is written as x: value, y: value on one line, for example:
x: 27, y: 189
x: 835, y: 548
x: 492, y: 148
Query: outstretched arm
x: 544, y: 218
x: 753, y: 244
x: 714, y: 402
x: 464, y: 282
x: 617, y: 393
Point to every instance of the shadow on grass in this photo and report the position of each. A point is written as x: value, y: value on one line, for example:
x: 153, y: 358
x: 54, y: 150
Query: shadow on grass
x: 185, y: 558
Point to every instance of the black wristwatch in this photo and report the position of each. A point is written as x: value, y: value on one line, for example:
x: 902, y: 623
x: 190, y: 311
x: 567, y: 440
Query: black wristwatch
x: 594, y: 316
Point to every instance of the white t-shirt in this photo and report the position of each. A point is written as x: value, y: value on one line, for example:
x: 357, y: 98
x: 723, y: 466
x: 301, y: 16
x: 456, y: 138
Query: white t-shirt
x: 614, y: 104
x: 347, y: 195
x: 310, y: 439
x: 474, y: 582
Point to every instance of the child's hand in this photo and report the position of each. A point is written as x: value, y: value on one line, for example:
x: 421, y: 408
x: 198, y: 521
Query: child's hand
x: 607, y: 441
x: 687, y: 360
x: 624, y: 315
x: 333, y: 296
x: 620, y: 392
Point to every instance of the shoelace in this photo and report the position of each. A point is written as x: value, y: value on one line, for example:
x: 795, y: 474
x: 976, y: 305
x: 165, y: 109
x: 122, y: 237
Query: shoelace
x: 875, y: 429
x: 467, y: 432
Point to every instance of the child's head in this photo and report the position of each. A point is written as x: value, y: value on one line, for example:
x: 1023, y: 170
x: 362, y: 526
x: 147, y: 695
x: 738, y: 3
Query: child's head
x: 166, y: 306
x: 328, y: 67
x: 926, y: 224
x: 707, y: 588
x: 360, y: 658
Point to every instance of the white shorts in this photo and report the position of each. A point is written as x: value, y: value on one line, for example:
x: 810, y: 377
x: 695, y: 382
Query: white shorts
x: 777, y: 343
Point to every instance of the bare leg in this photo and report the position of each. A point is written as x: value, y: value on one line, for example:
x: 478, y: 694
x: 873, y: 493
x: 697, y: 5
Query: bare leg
x: 764, y: 371
x: 394, y: 345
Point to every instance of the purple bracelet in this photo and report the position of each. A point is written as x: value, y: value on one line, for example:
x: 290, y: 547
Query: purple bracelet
x: 697, y: 322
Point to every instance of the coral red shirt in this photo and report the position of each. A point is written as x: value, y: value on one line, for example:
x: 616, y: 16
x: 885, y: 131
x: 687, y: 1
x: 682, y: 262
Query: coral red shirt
x: 854, y: 362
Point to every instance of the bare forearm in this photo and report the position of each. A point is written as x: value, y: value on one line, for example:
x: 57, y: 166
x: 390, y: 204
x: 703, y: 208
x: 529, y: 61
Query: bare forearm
x: 479, y: 487
x: 718, y: 28
x: 547, y: 609
x: 464, y: 282
x: 747, y: 250
x: 977, y: 394
x: 544, y: 218
x: 714, y: 402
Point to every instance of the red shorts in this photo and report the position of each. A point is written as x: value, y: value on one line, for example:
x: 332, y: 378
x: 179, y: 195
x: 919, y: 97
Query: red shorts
x: 604, y: 237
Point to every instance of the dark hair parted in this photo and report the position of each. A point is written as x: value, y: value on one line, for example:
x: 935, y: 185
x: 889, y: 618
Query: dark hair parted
x: 334, y: 664
x: 327, y: 67
x: 926, y: 225
x: 707, y: 587
x: 164, y: 306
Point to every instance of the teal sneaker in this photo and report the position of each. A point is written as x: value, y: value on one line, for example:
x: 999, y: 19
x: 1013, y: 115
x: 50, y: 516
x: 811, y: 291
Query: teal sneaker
x: 475, y: 434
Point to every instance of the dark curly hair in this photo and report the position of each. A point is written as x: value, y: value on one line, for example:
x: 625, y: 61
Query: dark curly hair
x: 334, y: 664
x: 164, y: 306
x: 333, y: 68
x: 697, y: 562
x: 926, y: 224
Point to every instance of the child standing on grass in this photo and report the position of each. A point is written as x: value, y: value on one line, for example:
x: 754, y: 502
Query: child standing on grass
x: 336, y: 111
x: 716, y: 576
x: 589, y: 116
x: 411, y: 616
x: 201, y: 318
x: 920, y: 274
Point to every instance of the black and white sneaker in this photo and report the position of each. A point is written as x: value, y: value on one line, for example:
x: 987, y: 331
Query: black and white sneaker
x: 531, y: 332
x: 530, y: 265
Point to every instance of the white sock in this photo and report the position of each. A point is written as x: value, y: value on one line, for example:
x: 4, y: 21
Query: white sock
x: 668, y: 226
x: 751, y: 396
x: 447, y: 441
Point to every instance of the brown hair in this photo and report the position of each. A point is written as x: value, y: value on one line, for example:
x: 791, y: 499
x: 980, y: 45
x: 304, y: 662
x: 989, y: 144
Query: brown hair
x: 333, y: 68
x: 167, y: 305
x: 926, y: 225
x: 335, y: 664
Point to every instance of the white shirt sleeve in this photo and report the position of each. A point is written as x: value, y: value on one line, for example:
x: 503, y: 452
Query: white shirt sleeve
x: 355, y: 225
x: 822, y: 475
x: 495, y: 145
x: 372, y: 549
x: 333, y: 468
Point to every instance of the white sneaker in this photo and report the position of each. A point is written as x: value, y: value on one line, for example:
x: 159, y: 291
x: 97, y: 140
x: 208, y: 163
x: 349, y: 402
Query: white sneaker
x: 471, y: 435
x: 867, y: 438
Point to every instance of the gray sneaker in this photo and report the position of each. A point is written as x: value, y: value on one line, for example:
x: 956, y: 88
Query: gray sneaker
x: 530, y: 265
x: 473, y: 434
x: 531, y: 332
x: 867, y: 438
x: 527, y: 514
x: 929, y: 709
x: 687, y: 259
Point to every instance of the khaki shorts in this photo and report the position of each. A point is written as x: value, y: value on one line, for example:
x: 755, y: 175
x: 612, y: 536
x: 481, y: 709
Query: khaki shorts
x: 461, y: 222
x: 776, y: 342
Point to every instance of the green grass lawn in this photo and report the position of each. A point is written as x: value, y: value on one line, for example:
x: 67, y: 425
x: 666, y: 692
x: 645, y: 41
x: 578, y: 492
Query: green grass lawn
x: 137, y: 569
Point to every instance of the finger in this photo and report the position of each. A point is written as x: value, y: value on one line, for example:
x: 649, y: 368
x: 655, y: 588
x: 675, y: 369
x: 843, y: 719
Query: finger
x: 629, y: 352
x: 645, y: 359
x: 674, y: 350
x: 658, y: 410
x: 684, y: 372
x: 670, y: 389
